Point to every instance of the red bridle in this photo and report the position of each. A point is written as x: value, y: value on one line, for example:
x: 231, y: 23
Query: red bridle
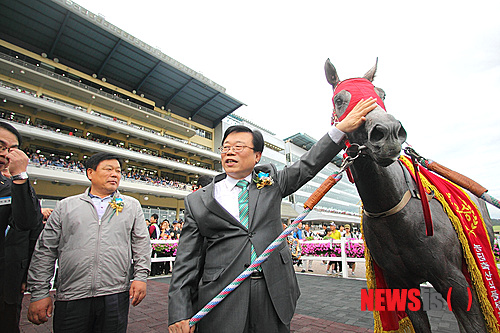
x: 359, y: 89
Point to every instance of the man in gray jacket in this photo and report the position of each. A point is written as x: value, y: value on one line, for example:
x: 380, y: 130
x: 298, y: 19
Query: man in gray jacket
x: 95, y: 236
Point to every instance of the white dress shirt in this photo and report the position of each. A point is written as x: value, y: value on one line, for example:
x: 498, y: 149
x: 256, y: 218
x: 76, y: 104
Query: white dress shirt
x: 335, y: 134
x: 226, y: 193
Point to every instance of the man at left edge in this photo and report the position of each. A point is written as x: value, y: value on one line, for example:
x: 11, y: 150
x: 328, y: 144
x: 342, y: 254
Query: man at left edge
x: 19, y: 211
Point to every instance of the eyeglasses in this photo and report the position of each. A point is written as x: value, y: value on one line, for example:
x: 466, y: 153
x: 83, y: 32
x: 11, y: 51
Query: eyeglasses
x: 235, y: 148
x: 3, y: 147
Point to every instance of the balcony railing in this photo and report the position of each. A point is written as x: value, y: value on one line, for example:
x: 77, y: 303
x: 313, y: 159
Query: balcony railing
x: 93, y: 90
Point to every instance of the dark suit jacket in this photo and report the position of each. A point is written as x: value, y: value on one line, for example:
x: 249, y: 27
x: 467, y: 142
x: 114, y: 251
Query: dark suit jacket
x: 228, y: 244
x: 22, y: 214
x: 19, y: 246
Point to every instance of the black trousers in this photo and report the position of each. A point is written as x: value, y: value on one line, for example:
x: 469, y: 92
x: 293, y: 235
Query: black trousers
x: 100, y: 314
x: 9, y: 318
x: 262, y: 316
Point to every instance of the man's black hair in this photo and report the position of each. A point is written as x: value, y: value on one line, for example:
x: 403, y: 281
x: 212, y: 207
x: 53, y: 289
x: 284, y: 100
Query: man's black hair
x: 155, y: 216
x: 258, y: 139
x: 13, y: 130
x: 95, y: 159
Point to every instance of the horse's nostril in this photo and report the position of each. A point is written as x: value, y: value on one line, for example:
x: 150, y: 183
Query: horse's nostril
x: 377, y: 134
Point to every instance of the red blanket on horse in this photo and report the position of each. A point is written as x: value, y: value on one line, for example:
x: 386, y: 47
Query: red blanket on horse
x: 478, y: 255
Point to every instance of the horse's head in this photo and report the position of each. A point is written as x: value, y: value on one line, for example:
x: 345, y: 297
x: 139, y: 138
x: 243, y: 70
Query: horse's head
x: 382, y: 134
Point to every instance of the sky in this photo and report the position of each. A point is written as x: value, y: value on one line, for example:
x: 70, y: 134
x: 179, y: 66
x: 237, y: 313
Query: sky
x: 439, y: 64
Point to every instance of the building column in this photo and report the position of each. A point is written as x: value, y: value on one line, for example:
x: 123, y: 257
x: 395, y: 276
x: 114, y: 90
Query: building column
x: 178, y: 209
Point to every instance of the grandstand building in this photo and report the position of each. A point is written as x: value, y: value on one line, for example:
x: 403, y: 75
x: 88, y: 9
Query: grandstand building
x: 73, y: 84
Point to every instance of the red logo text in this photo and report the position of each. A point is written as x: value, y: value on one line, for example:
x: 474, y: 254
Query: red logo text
x: 406, y: 299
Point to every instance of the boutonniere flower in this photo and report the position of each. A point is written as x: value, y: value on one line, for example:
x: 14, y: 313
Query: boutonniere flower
x: 263, y: 179
x: 117, y: 204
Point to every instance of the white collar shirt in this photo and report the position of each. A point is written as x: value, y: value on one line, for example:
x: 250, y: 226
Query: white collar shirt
x: 226, y: 193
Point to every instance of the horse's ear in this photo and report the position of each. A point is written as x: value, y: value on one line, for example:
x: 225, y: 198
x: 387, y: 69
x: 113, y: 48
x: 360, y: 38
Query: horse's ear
x: 370, y: 75
x: 331, y: 73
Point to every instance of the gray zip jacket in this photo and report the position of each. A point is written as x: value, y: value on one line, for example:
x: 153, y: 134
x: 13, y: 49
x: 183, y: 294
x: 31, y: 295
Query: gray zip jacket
x: 95, y: 256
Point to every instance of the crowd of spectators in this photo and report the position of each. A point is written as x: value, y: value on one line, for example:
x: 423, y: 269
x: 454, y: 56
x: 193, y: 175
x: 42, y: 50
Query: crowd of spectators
x: 97, y: 114
x: 40, y: 160
x: 333, y: 210
x: 111, y: 142
x: 156, y: 180
x: 163, y: 231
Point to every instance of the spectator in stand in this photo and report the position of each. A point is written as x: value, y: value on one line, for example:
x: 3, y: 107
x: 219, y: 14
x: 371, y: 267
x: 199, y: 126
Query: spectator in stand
x: 176, y: 230
x: 35, y: 159
x: 324, y: 232
x: 350, y: 235
x: 308, y: 234
x: 334, y: 234
x: 164, y: 235
x: 154, y: 234
x: 20, y: 222
x: 357, y: 234
x: 165, y: 229
x: 154, y: 229
x: 342, y: 230
x: 94, y: 236
x: 297, y: 234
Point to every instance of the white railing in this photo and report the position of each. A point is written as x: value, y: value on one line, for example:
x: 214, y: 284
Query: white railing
x: 344, y: 259
x: 155, y: 258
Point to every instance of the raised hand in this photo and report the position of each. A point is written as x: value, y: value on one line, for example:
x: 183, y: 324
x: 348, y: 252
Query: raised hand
x: 356, y: 117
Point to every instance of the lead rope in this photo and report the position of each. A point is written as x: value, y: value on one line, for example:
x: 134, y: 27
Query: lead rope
x: 308, y: 206
x: 454, y: 177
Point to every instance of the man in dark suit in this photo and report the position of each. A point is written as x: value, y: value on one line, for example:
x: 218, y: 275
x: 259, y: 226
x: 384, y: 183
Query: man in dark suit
x: 19, y: 247
x: 19, y: 210
x: 233, y: 227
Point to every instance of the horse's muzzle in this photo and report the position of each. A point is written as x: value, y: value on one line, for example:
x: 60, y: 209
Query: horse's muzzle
x: 385, y: 137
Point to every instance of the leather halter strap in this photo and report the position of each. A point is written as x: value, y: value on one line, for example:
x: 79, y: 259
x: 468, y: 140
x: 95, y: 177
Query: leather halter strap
x: 393, y: 210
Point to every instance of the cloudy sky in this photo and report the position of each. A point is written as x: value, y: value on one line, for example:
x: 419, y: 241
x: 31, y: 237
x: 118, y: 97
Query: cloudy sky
x: 439, y: 63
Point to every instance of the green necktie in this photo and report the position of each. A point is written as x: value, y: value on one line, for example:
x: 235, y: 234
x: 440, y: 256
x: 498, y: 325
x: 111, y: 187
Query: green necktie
x: 243, y: 210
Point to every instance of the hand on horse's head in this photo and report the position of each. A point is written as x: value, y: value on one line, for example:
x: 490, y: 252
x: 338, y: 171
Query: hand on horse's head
x: 356, y: 117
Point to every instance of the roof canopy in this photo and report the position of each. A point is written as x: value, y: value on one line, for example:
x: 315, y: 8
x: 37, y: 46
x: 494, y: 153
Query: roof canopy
x: 304, y: 141
x: 65, y: 31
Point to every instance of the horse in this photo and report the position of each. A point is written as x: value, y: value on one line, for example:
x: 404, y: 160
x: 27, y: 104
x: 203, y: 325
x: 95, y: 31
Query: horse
x: 398, y: 243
